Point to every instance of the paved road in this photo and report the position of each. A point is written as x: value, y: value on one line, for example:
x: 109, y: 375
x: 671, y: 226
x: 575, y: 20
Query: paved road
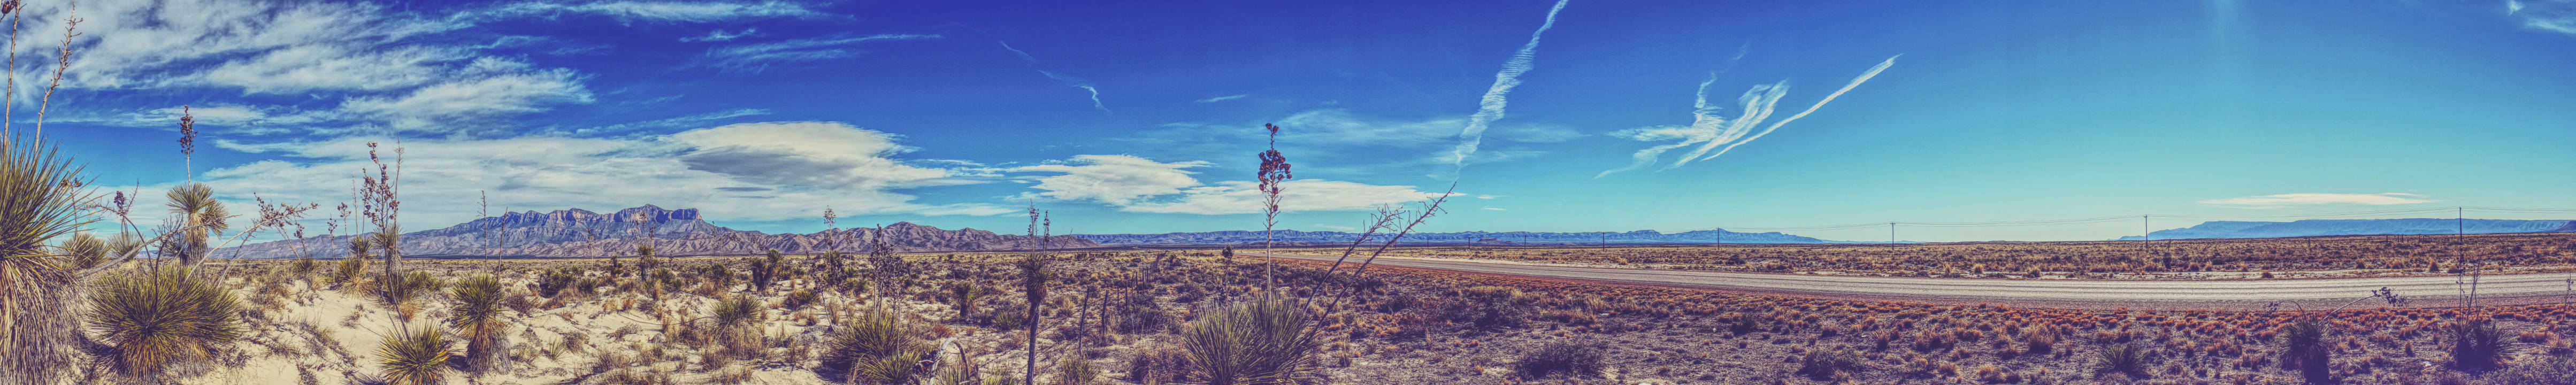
x: 2440, y: 291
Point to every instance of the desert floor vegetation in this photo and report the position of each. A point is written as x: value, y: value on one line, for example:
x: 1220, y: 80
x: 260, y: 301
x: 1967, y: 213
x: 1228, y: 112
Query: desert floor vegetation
x: 2311, y: 257
x: 1160, y: 316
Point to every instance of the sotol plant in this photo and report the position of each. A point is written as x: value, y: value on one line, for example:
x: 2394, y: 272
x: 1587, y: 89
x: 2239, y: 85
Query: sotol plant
x: 1267, y: 340
x: 414, y: 357
x: 151, y: 319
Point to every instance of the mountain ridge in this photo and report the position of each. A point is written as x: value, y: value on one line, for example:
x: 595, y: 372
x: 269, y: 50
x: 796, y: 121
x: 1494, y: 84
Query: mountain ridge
x: 2399, y: 226
x: 578, y: 233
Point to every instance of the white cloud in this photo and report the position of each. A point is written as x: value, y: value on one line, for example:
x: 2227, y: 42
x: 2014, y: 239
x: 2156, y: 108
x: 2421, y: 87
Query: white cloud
x: 332, y: 67
x: 1223, y: 98
x: 467, y: 104
x: 681, y: 121
x: 721, y: 35
x: 1242, y: 197
x: 817, y: 154
x: 2314, y: 199
x: 684, y: 11
x: 1117, y: 180
x: 1713, y: 132
x: 849, y: 168
x: 756, y: 56
x: 2549, y: 15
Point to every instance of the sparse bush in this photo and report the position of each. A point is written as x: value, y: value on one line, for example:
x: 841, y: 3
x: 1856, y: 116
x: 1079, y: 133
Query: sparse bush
x: 1828, y: 363
x: 2475, y: 344
x: 554, y: 281
x: 1577, y: 359
x: 414, y: 357
x: 1074, y: 369
x: 878, y: 347
x: 2546, y: 370
x: 1162, y: 364
x: 151, y: 319
x: 2124, y: 358
x: 2304, y: 348
x: 1265, y: 340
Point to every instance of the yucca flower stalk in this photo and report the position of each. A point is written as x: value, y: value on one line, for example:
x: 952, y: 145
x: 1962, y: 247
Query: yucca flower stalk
x: 1274, y: 172
x: 474, y: 308
x: 415, y: 357
x: 152, y: 319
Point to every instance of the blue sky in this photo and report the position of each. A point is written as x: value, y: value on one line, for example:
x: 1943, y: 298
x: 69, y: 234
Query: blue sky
x: 1145, y: 116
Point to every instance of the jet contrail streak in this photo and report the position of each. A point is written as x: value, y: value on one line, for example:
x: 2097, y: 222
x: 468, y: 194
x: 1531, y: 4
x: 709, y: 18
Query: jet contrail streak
x: 1491, y: 107
x: 1873, y: 72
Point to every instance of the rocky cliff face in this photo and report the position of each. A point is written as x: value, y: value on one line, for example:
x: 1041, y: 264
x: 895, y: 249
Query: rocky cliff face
x: 578, y: 233
x: 1287, y: 237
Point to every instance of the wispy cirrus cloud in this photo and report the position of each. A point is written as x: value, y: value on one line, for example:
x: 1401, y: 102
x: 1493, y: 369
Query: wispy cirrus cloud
x: 1490, y: 107
x: 1223, y: 98
x: 1068, y: 81
x: 722, y: 35
x: 2319, y: 199
x: 682, y: 11
x: 1710, y: 130
x: 755, y: 57
x: 2548, y: 15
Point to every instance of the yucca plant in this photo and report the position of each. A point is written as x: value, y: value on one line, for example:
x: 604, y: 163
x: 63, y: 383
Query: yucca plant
x: 474, y: 308
x: 354, y: 266
x: 414, y: 357
x: 877, y: 346
x: 200, y: 217
x: 1267, y: 340
x: 84, y: 251
x: 40, y: 198
x: 152, y: 319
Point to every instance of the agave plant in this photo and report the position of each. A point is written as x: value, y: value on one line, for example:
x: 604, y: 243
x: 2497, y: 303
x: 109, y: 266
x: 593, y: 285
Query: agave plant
x: 152, y: 319
x: 40, y: 198
x: 474, y: 308
x: 415, y: 357
x: 85, y: 251
x: 199, y: 217
x: 1264, y: 341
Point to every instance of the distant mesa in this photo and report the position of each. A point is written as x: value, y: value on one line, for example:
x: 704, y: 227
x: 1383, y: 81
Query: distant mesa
x: 2321, y: 227
x: 577, y: 233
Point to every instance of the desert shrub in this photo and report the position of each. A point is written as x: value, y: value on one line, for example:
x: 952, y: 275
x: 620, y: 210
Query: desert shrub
x: 151, y: 319
x: 2124, y: 358
x: 554, y: 281
x: 736, y: 323
x: 1494, y: 306
x: 414, y: 357
x: 2475, y: 344
x: 877, y: 346
x: 799, y: 299
x: 1074, y: 369
x: 2548, y: 370
x: 1008, y: 318
x: 1828, y: 363
x: 1138, y: 317
x: 2304, y: 348
x: 1158, y: 365
x: 1577, y: 359
x: 1265, y: 340
x: 475, y: 309
x: 966, y: 293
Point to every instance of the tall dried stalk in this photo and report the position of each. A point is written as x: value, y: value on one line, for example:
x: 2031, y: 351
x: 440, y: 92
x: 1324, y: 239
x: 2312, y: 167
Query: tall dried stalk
x: 71, y: 22
x: 382, y: 203
x: 1033, y: 279
x: 1274, y: 171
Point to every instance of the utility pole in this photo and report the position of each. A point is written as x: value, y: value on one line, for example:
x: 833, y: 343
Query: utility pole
x: 1605, y: 241
x: 1891, y: 233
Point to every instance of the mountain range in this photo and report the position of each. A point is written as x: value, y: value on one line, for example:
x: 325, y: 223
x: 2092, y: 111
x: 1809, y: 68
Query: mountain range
x: 1515, y: 237
x: 2316, y: 227
x: 577, y: 233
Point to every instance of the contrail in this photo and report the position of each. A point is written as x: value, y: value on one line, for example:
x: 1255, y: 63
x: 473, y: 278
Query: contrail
x: 1873, y: 72
x: 1710, y: 131
x: 1491, y: 107
x: 1069, y: 81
